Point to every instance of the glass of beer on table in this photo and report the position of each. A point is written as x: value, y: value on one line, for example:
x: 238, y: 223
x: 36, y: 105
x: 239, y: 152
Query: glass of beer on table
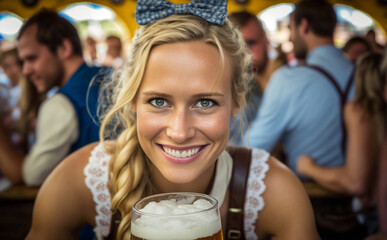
x: 183, y: 216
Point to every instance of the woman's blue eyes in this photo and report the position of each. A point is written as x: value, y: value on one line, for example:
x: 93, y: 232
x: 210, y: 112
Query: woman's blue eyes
x: 159, y: 102
x: 203, y: 103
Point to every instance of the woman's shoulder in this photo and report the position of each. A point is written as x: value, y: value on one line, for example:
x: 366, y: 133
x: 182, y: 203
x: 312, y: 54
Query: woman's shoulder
x: 287, y: 212
x: 76, y: 162
x: 68, y: 176
x: 75, y: 170
x: 280, y: 180
x: 353, y: 111
x: 356, y: 116
x: 64, y: 203
x: 272, y: 171
x: 280, y: 176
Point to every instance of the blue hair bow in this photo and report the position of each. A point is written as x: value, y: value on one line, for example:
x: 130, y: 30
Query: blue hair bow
x: 213, y: 11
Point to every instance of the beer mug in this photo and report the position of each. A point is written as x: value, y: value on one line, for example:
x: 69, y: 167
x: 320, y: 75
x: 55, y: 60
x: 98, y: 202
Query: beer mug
x: 176, y: 216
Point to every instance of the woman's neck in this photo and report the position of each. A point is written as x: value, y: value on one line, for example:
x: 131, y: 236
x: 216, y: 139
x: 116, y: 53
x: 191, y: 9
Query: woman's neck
x: 200, y: 185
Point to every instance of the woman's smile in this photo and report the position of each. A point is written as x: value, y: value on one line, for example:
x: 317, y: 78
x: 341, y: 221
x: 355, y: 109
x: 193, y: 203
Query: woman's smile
x: 182, y: 155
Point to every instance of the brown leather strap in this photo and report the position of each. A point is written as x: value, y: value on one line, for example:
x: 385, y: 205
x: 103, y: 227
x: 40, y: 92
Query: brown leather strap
x: 116, y: 219
x: 238, y: 185
x: 343, y: 99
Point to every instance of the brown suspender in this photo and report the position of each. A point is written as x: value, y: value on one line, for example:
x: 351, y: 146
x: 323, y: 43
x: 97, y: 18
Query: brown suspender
x: 343, y: 99
x: 114, y: 223
x: 238, y: 185
x: 234, y: 228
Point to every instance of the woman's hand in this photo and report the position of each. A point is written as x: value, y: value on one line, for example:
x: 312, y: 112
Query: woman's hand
x: 304, y: 164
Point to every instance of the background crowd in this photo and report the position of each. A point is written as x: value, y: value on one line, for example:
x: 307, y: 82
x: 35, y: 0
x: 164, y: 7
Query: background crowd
x: 323, y: 115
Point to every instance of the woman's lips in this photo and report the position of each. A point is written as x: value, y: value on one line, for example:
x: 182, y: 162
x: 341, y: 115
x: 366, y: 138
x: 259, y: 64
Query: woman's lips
x: 182, y: 156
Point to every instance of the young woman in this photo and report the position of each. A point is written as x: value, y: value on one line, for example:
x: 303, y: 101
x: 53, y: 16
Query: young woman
x: 185, y: 78
x: 365, y: 121
x: 382, y: 176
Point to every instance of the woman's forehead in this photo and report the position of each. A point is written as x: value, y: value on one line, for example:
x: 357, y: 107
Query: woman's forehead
x: 191, y: 63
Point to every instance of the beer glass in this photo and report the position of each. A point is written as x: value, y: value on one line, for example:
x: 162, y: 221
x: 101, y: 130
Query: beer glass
x: 183, y: 216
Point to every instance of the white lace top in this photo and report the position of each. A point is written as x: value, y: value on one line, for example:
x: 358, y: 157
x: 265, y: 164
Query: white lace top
x: 96, y: 173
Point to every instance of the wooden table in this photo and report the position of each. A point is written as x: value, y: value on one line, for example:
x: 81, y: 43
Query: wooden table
x: 315, y: 190
x: 19, y: 192
x: 16, y: 204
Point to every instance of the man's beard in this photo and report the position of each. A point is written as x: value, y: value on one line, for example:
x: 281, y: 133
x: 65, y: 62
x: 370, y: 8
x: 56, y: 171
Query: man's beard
x: 56, y: 79
x: 260, y: 68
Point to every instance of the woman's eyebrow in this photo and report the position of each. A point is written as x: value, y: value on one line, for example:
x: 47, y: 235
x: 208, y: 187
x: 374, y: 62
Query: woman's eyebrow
x: 155, y: 93
x: 213, y: 94
x: 206, y: 94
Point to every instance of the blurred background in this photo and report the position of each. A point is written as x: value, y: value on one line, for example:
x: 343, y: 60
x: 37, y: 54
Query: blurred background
x: 96, y: 20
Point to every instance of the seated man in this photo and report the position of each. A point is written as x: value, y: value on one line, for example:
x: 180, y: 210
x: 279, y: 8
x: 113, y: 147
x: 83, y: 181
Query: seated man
x: 51, y: 51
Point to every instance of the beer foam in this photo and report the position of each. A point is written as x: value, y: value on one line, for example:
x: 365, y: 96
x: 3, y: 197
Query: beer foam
x: 172, y: 219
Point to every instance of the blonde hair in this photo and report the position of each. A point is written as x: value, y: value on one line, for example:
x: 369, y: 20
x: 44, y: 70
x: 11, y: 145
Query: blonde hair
x: 369, y: 82
x: 29, y: 103
x: 129, y: 177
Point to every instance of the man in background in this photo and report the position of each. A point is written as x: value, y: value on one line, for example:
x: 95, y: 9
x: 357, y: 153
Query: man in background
x: 51, y: 51
x: 114, y: 52
x: 301, y: 107
x: 256, y: 40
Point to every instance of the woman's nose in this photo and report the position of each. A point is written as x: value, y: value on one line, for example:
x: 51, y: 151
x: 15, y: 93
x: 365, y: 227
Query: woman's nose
x: 180, y: 127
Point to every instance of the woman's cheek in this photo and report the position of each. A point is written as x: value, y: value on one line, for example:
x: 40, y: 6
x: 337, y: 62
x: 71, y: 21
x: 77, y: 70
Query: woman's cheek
x: 216, y: 127
x: 149, y: 125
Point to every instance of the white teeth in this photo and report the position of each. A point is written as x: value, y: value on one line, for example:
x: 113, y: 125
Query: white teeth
x: 181, y: 154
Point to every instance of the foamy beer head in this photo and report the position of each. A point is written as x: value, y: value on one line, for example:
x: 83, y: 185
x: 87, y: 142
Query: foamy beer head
x: 176, y: 216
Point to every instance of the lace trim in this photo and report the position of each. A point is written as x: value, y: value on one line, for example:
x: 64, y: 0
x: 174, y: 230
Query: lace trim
x: 96, y: 173
x: 255, y: 188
